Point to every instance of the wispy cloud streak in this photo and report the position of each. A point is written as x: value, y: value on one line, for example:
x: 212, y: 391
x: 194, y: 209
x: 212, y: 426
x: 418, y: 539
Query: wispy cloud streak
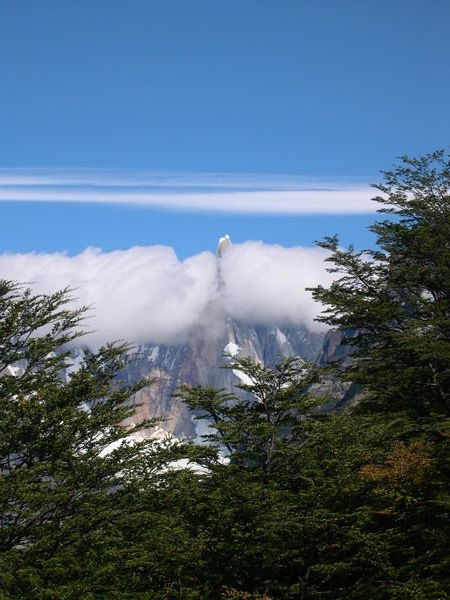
x: 208, y: 192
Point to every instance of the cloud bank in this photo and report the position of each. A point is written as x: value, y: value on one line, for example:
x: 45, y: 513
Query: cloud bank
x: 208, y: 192
x: 146, y: 294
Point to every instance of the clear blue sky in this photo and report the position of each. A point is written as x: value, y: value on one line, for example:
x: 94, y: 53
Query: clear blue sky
x: 330, y: 89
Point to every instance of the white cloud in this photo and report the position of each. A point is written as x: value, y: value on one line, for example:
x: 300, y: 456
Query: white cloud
x: 148, y: 294
x: 266, y: 283
x: 212, y: 192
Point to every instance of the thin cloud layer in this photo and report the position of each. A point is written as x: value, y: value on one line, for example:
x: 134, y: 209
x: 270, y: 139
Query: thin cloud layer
x: 146, y: 294
x: 208, y: 192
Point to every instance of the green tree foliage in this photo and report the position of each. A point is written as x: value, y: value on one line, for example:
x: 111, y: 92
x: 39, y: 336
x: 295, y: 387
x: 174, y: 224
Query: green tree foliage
x: 396, y: 300
x: 68, y: 472
x: 257, y: 426
x: 254, y: 516
x: 397, y: 297
x: 288, y: 515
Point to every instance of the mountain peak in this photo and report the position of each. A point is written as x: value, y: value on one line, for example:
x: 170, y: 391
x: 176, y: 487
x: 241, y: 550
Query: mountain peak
x: 223, y: 245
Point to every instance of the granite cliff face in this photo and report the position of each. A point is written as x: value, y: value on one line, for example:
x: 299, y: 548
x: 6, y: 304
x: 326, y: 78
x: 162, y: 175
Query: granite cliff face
x: 335, y: 347
x: 199, y: 362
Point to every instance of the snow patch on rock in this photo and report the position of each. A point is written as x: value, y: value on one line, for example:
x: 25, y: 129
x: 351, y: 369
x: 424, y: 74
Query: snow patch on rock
x: 231, y: 349
x: 243, y: 378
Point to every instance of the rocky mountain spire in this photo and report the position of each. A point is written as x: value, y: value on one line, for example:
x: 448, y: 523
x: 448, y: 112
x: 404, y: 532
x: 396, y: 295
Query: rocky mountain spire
x: 223, y: 245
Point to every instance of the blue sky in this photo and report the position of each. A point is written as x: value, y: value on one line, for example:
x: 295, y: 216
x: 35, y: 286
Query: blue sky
x: 269, y: 99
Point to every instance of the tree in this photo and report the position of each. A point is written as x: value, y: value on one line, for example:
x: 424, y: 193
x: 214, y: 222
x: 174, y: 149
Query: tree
x: 396, y: 301
x: 255, y: 506
x: 397, y: 297
x: 67, y: 467
x: 258, y: 426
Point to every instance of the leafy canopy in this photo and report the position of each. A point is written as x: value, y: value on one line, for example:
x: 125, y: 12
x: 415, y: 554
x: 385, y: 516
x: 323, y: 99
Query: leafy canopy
x: 396, y: 298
